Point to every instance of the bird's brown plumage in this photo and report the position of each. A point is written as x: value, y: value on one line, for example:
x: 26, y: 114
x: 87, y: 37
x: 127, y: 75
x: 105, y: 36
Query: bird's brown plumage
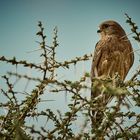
x: 113, y: 53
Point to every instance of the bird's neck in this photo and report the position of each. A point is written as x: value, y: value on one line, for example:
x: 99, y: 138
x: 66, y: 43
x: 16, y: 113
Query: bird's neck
x: 112, y: 36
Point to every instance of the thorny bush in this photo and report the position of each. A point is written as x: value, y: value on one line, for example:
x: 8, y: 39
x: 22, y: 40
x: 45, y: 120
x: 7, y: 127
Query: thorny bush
x: 116, y: 124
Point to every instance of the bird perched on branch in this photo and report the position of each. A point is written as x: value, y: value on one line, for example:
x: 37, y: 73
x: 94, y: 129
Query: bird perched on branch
x: 113, y: 54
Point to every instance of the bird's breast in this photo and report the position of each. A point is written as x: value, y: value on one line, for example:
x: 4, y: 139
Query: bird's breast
x: 113, y: 57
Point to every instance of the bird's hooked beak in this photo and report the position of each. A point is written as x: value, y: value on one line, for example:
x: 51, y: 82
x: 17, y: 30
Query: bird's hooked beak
x: 99, y: 31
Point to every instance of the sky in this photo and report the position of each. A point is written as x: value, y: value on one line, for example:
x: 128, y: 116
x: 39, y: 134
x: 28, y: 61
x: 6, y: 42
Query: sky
x: 77, y: 22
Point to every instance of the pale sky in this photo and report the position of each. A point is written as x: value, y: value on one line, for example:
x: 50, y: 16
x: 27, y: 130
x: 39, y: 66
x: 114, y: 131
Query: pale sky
x: 77, y: 22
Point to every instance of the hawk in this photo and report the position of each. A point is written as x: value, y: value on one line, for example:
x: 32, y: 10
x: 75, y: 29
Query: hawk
x: 113, y: 54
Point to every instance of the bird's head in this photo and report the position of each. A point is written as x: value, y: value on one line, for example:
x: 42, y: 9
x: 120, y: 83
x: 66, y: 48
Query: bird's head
x: 109, y: 28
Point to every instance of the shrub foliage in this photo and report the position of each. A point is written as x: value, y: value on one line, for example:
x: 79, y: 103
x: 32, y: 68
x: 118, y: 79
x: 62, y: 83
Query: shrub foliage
x: 117, y: 123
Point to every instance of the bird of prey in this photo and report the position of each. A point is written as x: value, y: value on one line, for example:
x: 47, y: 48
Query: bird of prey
x: 113, y: 54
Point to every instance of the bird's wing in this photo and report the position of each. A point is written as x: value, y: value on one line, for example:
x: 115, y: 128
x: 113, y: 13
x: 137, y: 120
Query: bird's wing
x: 129, y: 57
x: 95, y: 60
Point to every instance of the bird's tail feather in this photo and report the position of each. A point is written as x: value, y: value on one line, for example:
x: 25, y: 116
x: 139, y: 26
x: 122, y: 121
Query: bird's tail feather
x: 99, y: 105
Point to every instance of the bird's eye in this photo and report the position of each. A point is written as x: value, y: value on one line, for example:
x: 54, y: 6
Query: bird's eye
x: 106, y: 25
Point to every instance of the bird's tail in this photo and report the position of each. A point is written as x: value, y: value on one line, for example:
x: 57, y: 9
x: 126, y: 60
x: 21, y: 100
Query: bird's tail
x: 100, y: 100
x: 97, y: 114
